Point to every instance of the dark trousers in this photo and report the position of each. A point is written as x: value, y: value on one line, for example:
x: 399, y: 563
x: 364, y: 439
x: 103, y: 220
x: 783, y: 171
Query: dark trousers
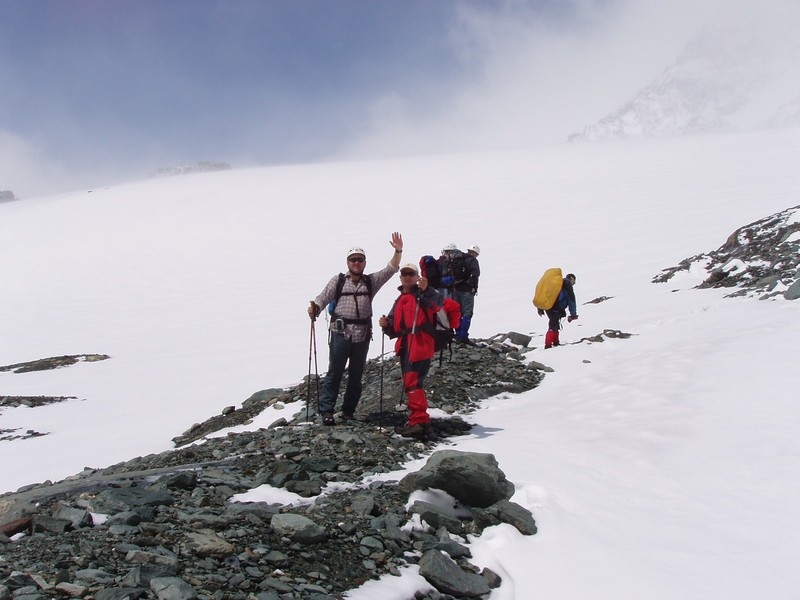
x: 343, y: 350
x: 555, y: 315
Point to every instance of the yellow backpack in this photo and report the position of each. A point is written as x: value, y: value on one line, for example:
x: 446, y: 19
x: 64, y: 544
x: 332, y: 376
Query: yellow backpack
x: 548, y: 288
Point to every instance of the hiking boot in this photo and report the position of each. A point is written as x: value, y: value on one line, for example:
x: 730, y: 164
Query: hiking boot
x: 430, y: 433
x: 327, y: 419
x: 413, y: 431
x: 346, y: 416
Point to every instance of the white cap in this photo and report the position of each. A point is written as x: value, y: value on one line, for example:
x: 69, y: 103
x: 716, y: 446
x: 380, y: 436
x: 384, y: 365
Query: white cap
x: 450, y: 247
x: 410, y: 267
x: 356, y: 250
x: 475, y: 248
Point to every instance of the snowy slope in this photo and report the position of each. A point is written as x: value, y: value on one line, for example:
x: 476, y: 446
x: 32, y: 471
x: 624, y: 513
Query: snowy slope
x: 661, y: 466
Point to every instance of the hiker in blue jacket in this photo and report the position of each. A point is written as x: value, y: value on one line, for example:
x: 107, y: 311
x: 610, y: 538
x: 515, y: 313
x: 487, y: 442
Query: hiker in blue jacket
x: 565, y: 302
x: 465, y: 291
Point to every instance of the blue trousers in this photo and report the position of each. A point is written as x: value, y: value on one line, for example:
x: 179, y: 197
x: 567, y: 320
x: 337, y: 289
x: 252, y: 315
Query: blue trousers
x: 343, y: 350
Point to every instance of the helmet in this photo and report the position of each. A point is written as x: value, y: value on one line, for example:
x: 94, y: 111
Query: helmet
x: 475, y: 248
x: 356, y: 250
x: 451, y: 247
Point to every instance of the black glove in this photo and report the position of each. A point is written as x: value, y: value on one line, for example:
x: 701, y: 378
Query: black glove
x: 313, y: 310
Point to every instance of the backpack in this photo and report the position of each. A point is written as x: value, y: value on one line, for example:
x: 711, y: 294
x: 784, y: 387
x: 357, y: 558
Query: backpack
x: 548, y: 289
x: 429, y: 269
x: 457, y: 267
x: 340, y: 287
x: 445, y: 324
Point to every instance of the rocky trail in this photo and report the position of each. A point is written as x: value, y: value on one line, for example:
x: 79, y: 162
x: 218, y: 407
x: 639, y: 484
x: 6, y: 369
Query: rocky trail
x: 168, y: 526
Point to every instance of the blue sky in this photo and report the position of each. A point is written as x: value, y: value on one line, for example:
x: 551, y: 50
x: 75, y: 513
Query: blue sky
x: 95, y: 91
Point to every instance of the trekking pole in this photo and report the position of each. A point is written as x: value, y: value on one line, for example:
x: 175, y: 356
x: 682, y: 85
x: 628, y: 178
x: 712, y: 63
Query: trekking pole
x: 312, y: 347
x: 380, y: 397
x: 316, y: 370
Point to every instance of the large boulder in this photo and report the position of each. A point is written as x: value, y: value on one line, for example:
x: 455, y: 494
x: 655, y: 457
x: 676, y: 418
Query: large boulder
x: 447, y: 577
x: 793, y: 292
x: 472, y: 478
x: 298, y: 528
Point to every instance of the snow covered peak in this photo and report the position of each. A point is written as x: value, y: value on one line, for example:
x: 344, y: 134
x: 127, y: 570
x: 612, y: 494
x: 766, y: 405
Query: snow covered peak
x: 732, y: 76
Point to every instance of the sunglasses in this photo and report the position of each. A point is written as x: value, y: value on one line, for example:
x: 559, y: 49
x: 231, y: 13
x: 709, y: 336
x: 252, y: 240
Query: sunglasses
x: 355, y: 260
x: 407, y: 273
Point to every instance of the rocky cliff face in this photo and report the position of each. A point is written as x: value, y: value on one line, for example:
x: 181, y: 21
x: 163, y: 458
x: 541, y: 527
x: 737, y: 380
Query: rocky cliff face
x: 761, y: 259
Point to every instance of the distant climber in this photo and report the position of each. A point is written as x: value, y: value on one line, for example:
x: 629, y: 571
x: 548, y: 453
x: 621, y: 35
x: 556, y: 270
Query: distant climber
x: 565, y: 301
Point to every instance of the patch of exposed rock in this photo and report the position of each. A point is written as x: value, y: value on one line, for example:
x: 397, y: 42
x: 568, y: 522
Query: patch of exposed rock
x: 761, y: 259
x: 54, y: 362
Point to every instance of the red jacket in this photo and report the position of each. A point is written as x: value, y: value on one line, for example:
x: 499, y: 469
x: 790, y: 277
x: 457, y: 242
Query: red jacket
x: 401, y: 321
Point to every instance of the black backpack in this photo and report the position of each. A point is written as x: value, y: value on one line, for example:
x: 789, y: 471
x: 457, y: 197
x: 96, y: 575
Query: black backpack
x: 457, y: 267
x: 340, y: 293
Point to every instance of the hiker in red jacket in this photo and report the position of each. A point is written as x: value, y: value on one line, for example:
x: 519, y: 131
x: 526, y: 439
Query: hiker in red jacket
x: 410, y: 321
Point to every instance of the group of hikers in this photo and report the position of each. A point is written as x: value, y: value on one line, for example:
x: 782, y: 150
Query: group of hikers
x: 431, y: 286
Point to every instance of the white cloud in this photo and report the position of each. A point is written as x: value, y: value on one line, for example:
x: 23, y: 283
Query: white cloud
x: 26, y: 170
x: 536, y: 80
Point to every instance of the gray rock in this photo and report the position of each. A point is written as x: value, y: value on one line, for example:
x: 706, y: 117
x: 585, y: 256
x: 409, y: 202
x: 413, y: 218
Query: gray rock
x: 447, y: 577
x: 505, y: 512
x: 140, y: 576
x: 793, y: 292
x: 277, y: 559
x: 437, y: 517
x: 123, y: 499
x: 120, y: 594
x: 76, y: 516
x: 451, y: 547
x: 298, y: 528
x: 184, y: 480
x: 364, y: 503
x: 128, y: 517
x: 472, y: 478
x: 520, y: 339
x: 318, y: 464
x: 52, y: 525
x: 172, y: 588
x: 95, y: 576
x: 206, y: 542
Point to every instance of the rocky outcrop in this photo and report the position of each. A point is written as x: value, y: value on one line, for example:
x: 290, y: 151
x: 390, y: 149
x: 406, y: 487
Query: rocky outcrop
x: 203, y: 166
x: 471, y: 478
x: 172, y: 525
x: 760, y: 260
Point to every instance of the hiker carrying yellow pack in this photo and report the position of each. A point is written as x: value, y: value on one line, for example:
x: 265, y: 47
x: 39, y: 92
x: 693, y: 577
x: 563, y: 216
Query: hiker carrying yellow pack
x: 555, y: 296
